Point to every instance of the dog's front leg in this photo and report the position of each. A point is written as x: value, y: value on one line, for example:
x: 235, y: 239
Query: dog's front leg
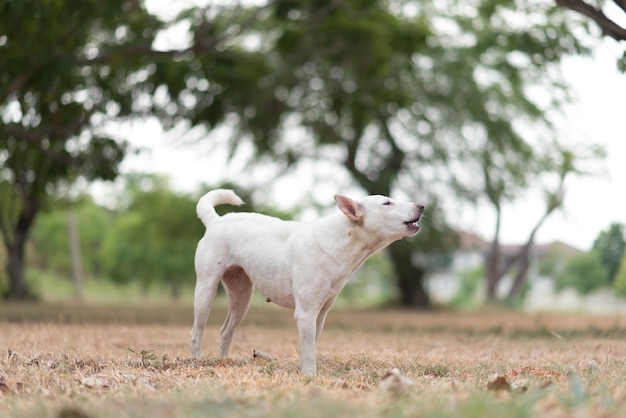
x: 321, y: 317
x: 306, y: 323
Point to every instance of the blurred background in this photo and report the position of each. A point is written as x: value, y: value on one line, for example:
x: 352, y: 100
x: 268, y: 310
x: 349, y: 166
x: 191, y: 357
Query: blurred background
x: 500, y: 116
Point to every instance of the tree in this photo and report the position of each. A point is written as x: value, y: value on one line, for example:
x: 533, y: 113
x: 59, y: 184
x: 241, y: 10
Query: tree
x: 153, y: 240
x: 407, y: 105
x: 69, y: 69
x: 51, y: 241
x: 611, y: 245
x: 57, y: 86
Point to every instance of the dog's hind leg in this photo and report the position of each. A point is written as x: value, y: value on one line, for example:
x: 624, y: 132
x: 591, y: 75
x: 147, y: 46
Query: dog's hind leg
x: 206, y: 287
x: 240, y: 289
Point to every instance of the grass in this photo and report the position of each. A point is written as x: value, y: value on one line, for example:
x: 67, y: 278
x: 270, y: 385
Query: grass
x: 52, y: 287
x: 65, y: 360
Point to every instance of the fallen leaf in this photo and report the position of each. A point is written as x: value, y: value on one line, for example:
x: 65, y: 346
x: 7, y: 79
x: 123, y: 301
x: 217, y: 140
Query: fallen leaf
x: 339, y: 384
x: 72, y: 412
x: 5, y: 389
x: 498, y: 384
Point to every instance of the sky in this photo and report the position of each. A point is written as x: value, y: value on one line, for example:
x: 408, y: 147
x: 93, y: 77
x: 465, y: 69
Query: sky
x: 591, y: 203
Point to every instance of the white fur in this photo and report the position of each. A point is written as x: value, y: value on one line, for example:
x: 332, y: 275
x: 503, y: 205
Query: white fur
x: 301, y: 266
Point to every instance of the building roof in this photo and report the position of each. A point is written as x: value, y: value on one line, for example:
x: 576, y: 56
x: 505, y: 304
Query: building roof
x: 469, y: 242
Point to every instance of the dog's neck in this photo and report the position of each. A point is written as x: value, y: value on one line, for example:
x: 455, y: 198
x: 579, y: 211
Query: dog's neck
x: 347, y: 242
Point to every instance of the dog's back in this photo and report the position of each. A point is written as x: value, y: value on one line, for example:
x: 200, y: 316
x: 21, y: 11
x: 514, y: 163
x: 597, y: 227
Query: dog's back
x: 249, y: 238
x: 239, y: 223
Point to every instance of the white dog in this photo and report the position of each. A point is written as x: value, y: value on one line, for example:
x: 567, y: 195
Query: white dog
x: 301, y: 266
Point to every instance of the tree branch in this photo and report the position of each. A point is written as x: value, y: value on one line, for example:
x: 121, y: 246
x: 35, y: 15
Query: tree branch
x: 352, y: 147
x: 16, y: 84
x: 4, y: 231
x: 395, y: 160
x: 322, y: 12
x: 608, y: 26
x: 35, y: 137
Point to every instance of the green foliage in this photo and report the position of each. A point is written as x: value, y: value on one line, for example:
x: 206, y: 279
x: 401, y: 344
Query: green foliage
x: 469, y: 282
x: 554, y: 261
x: 53, y: 288
x: 50, y: 238
x: 549, y: 265
x: 155, y: 238
x: 611, y: 245
x: 584, y: 272
x: 58, y: 82
x: 123, y: 248
x: 620, y: 278
x: 598, y: 268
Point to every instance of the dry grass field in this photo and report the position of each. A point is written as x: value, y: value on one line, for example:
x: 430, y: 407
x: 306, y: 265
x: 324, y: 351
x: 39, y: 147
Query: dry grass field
x: 67, y: 361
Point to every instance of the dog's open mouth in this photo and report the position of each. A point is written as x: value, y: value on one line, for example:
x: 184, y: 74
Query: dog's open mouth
x: 412, y: 225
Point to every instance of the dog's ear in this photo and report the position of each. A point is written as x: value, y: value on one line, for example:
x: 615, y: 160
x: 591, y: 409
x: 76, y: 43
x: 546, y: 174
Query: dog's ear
x: 353, y: 210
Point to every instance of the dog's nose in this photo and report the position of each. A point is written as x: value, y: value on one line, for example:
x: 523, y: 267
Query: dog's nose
x: 420, y: 207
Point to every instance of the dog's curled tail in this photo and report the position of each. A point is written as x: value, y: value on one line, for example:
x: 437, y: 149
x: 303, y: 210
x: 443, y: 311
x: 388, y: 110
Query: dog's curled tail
x: 205, y: 209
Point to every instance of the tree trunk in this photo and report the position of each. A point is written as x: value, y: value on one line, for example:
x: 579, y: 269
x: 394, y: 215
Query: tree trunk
x: 15, y: 270
x: 75, y: 256
x: 16, y: 245
x: 409, y: 277
x: 522, y: 274
x: 496, y: 268
x: 523, y: 258
x: 493, y: 262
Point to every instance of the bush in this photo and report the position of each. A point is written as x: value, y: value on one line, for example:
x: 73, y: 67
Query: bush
x: 585, y: 273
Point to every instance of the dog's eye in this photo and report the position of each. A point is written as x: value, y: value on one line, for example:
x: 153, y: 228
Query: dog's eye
x: 387, y: 203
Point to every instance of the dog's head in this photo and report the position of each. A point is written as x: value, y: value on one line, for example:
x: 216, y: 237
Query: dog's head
x: 383, y: 215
